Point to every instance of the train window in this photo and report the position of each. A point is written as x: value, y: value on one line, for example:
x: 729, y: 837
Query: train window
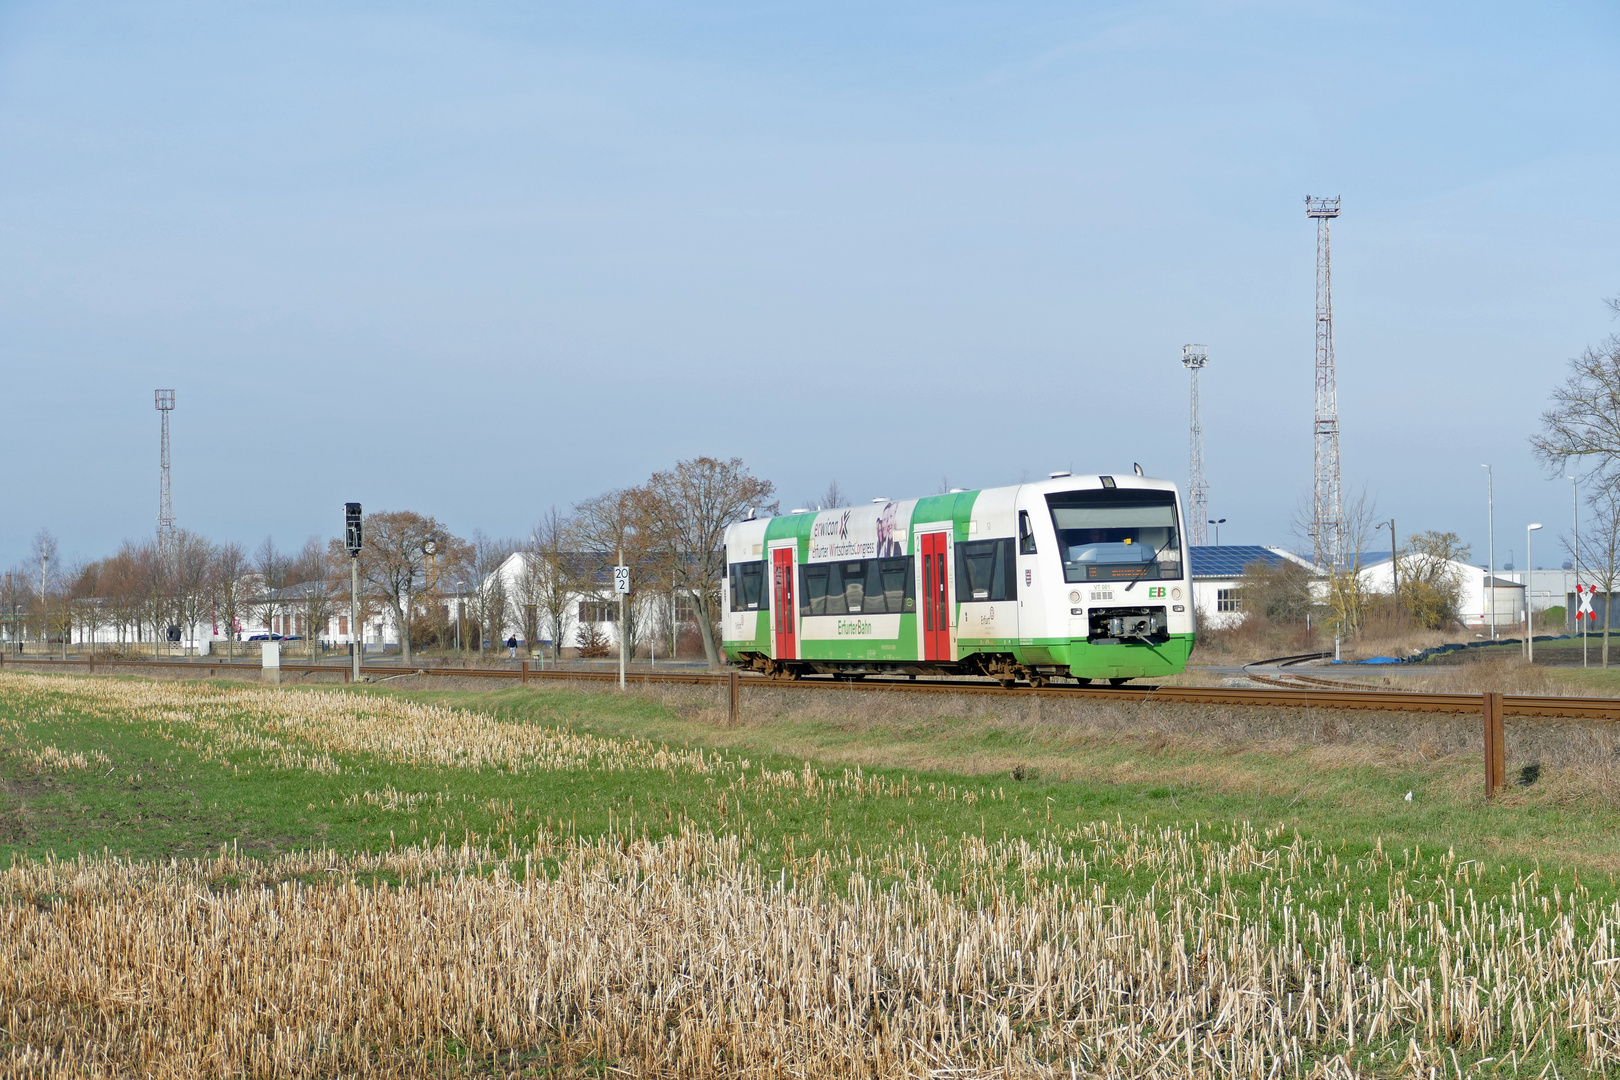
x: 748, y: 586
x: 1026, y: 534
x: 985, y: 571
x: 898, y: 585
x: 858, y: 586
x: 1117, y: 534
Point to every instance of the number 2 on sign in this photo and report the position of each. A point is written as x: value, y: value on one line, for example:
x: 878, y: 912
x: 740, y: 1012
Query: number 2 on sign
x: 621, y: 579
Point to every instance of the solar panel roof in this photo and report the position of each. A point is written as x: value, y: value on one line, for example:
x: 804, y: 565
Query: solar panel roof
x: 1228, y: 560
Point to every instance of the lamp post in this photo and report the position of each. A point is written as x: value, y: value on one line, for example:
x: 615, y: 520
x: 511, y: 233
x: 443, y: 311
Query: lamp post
x: 1529, y: 612
x: 1394, y: 559
x: 1490, y: 547
x: 1217, y: 522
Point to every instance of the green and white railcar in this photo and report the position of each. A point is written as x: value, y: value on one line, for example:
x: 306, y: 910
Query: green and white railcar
x: 1082, y: 577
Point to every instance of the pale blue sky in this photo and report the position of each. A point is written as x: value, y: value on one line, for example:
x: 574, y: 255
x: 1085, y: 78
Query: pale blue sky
x: 538, y: 251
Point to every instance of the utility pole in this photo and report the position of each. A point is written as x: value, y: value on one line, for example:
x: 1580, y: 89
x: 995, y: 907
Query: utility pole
x: 1194, y: 358
x: 1328, y: 519
x: 1490, y: 547
x: 1575, y: 549
x: 1529, y: 609
x: 353, y: 538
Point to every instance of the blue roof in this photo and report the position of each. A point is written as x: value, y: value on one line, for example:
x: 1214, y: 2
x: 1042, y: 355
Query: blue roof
x: 1228, y: 560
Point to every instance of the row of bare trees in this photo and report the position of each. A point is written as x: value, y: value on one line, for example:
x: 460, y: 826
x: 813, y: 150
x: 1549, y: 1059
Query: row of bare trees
x: 437, y: 588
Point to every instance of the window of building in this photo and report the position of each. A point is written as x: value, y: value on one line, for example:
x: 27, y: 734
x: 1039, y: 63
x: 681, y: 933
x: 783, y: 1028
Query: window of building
x: 343, y: 624
x: 597, y: 611
x: 1228, y: 599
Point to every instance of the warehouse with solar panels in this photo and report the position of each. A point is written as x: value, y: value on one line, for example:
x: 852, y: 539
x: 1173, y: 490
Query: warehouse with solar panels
x: 1217, y: 579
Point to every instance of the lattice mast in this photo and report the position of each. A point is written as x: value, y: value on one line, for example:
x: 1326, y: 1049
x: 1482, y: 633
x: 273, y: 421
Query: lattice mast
x: 1328, y: 517
x: 165, y: 405
x: 1194, y: 358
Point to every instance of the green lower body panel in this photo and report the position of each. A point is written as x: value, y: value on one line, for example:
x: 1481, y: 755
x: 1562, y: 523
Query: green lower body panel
x: 1127, y: 660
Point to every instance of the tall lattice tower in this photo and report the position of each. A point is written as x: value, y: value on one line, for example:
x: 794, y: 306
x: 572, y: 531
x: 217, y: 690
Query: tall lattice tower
x: 1327, y: 530
x: 165, y: 405
x: 1195, y: 357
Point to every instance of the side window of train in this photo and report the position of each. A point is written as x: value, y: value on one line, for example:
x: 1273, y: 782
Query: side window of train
x: 748, y: 586
x: 986, y: 570
x: 1026, y: 535
x: 857, y: 586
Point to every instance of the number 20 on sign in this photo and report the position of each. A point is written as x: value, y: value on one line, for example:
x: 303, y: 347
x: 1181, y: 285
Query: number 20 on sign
x: 621, y: 579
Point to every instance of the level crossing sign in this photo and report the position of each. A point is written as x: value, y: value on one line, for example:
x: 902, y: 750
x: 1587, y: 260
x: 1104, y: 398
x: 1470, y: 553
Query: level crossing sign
x: 621, y: 579
x: 1583, y: 593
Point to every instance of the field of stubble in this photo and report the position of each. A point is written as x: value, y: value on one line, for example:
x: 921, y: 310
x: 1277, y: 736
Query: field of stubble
x: 410, y: 888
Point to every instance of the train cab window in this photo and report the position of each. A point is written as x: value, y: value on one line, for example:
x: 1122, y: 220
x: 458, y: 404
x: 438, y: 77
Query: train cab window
x: 1117, y: 534
x: 748, y: 586
x: 985, y: 570
x: 1026, y: 534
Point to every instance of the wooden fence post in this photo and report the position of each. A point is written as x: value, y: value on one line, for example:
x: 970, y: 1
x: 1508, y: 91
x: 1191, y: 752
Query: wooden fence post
x: 732, y: 688
x: 347, y: 674
x: 525, y: 673
x: 1495, y: 748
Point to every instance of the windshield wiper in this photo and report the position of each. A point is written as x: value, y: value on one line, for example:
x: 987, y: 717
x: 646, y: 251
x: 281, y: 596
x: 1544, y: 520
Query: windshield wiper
x: 1149, y: 564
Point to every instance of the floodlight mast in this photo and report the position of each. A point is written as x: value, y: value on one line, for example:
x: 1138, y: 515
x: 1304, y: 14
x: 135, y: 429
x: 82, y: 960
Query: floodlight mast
x: 1328, y: 516
x: 354, y: 539
x: 163, y: 401
x: 1195, y: 358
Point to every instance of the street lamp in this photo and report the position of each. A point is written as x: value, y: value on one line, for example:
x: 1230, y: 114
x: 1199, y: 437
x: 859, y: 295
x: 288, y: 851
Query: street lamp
x: 1217, y: 522
x: 1394, y: 559
x: 1490, y: 571
x: 1529, y: 612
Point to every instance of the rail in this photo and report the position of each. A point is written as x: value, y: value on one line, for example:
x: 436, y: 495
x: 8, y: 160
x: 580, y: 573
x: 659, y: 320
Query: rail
x: 1308, y: 694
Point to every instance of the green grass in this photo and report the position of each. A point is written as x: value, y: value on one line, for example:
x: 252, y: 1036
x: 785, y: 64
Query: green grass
x: 155, y: 799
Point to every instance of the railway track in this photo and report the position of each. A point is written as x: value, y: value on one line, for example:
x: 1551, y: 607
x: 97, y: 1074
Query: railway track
x: 1287, y: 690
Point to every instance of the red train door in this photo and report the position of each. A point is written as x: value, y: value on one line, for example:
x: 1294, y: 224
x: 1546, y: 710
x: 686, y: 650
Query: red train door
x: 936, y: 597
x: 782, y: 604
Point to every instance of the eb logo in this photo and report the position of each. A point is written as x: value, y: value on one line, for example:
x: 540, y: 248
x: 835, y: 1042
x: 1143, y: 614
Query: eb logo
x: 1156, y: 591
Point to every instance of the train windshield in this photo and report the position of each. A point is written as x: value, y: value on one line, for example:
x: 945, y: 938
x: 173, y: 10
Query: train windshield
x: 1117, y: 535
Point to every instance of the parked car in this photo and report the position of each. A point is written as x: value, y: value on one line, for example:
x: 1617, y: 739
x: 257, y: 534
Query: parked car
x: 267, y: 637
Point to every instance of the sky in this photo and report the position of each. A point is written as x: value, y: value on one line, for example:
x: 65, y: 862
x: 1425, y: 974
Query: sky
x: 481, y: 259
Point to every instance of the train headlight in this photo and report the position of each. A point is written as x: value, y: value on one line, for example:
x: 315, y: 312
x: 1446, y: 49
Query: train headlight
x: 1074, y: 596
x: 1175, y: 594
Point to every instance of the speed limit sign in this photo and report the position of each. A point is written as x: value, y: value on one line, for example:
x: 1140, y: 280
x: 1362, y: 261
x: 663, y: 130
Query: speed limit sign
x: 621, y: 579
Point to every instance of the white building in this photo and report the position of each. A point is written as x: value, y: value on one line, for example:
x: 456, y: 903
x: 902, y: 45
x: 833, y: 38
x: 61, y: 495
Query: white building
x: 1217, y: 579
x: 1501, y: 601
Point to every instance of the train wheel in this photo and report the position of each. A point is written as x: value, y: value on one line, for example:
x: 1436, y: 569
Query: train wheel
x: 1038, y: 681
x: 1118, y: 682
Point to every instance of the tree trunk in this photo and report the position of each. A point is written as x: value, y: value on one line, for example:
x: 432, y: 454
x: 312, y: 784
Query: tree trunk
x: 404, y: 627
x: 700, y: 603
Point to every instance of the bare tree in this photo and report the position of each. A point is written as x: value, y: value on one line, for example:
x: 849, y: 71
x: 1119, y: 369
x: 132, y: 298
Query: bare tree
x: 192, y: 559
x: 272, y: 570
x: 230, y: 591
x: 393, y: 563
x: 551, y: 580
x: 488, y: 592
x: 1600, y: 552
x: 316, y: 582
x: 1584, y: 421
x: 1342, y: 591
x: 606, y: 526
x: 1431, y: 584
x: 44, y: 557
x: 684, y: 513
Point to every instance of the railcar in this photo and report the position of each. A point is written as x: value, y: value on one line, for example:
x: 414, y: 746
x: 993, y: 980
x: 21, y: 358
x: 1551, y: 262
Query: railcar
x: 1073, y: 577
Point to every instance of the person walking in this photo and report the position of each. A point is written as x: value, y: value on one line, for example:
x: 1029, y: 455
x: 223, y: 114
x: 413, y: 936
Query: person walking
x: 511, y: 645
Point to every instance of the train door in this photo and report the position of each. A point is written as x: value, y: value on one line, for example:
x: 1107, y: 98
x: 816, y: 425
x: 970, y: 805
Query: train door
x: 936, y: 596
x: 784, y: 607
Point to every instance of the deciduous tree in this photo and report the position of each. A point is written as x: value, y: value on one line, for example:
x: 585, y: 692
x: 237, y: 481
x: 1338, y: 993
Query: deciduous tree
x: 683, y: 515
x: 1583, y: 424
x: 393, y: 564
